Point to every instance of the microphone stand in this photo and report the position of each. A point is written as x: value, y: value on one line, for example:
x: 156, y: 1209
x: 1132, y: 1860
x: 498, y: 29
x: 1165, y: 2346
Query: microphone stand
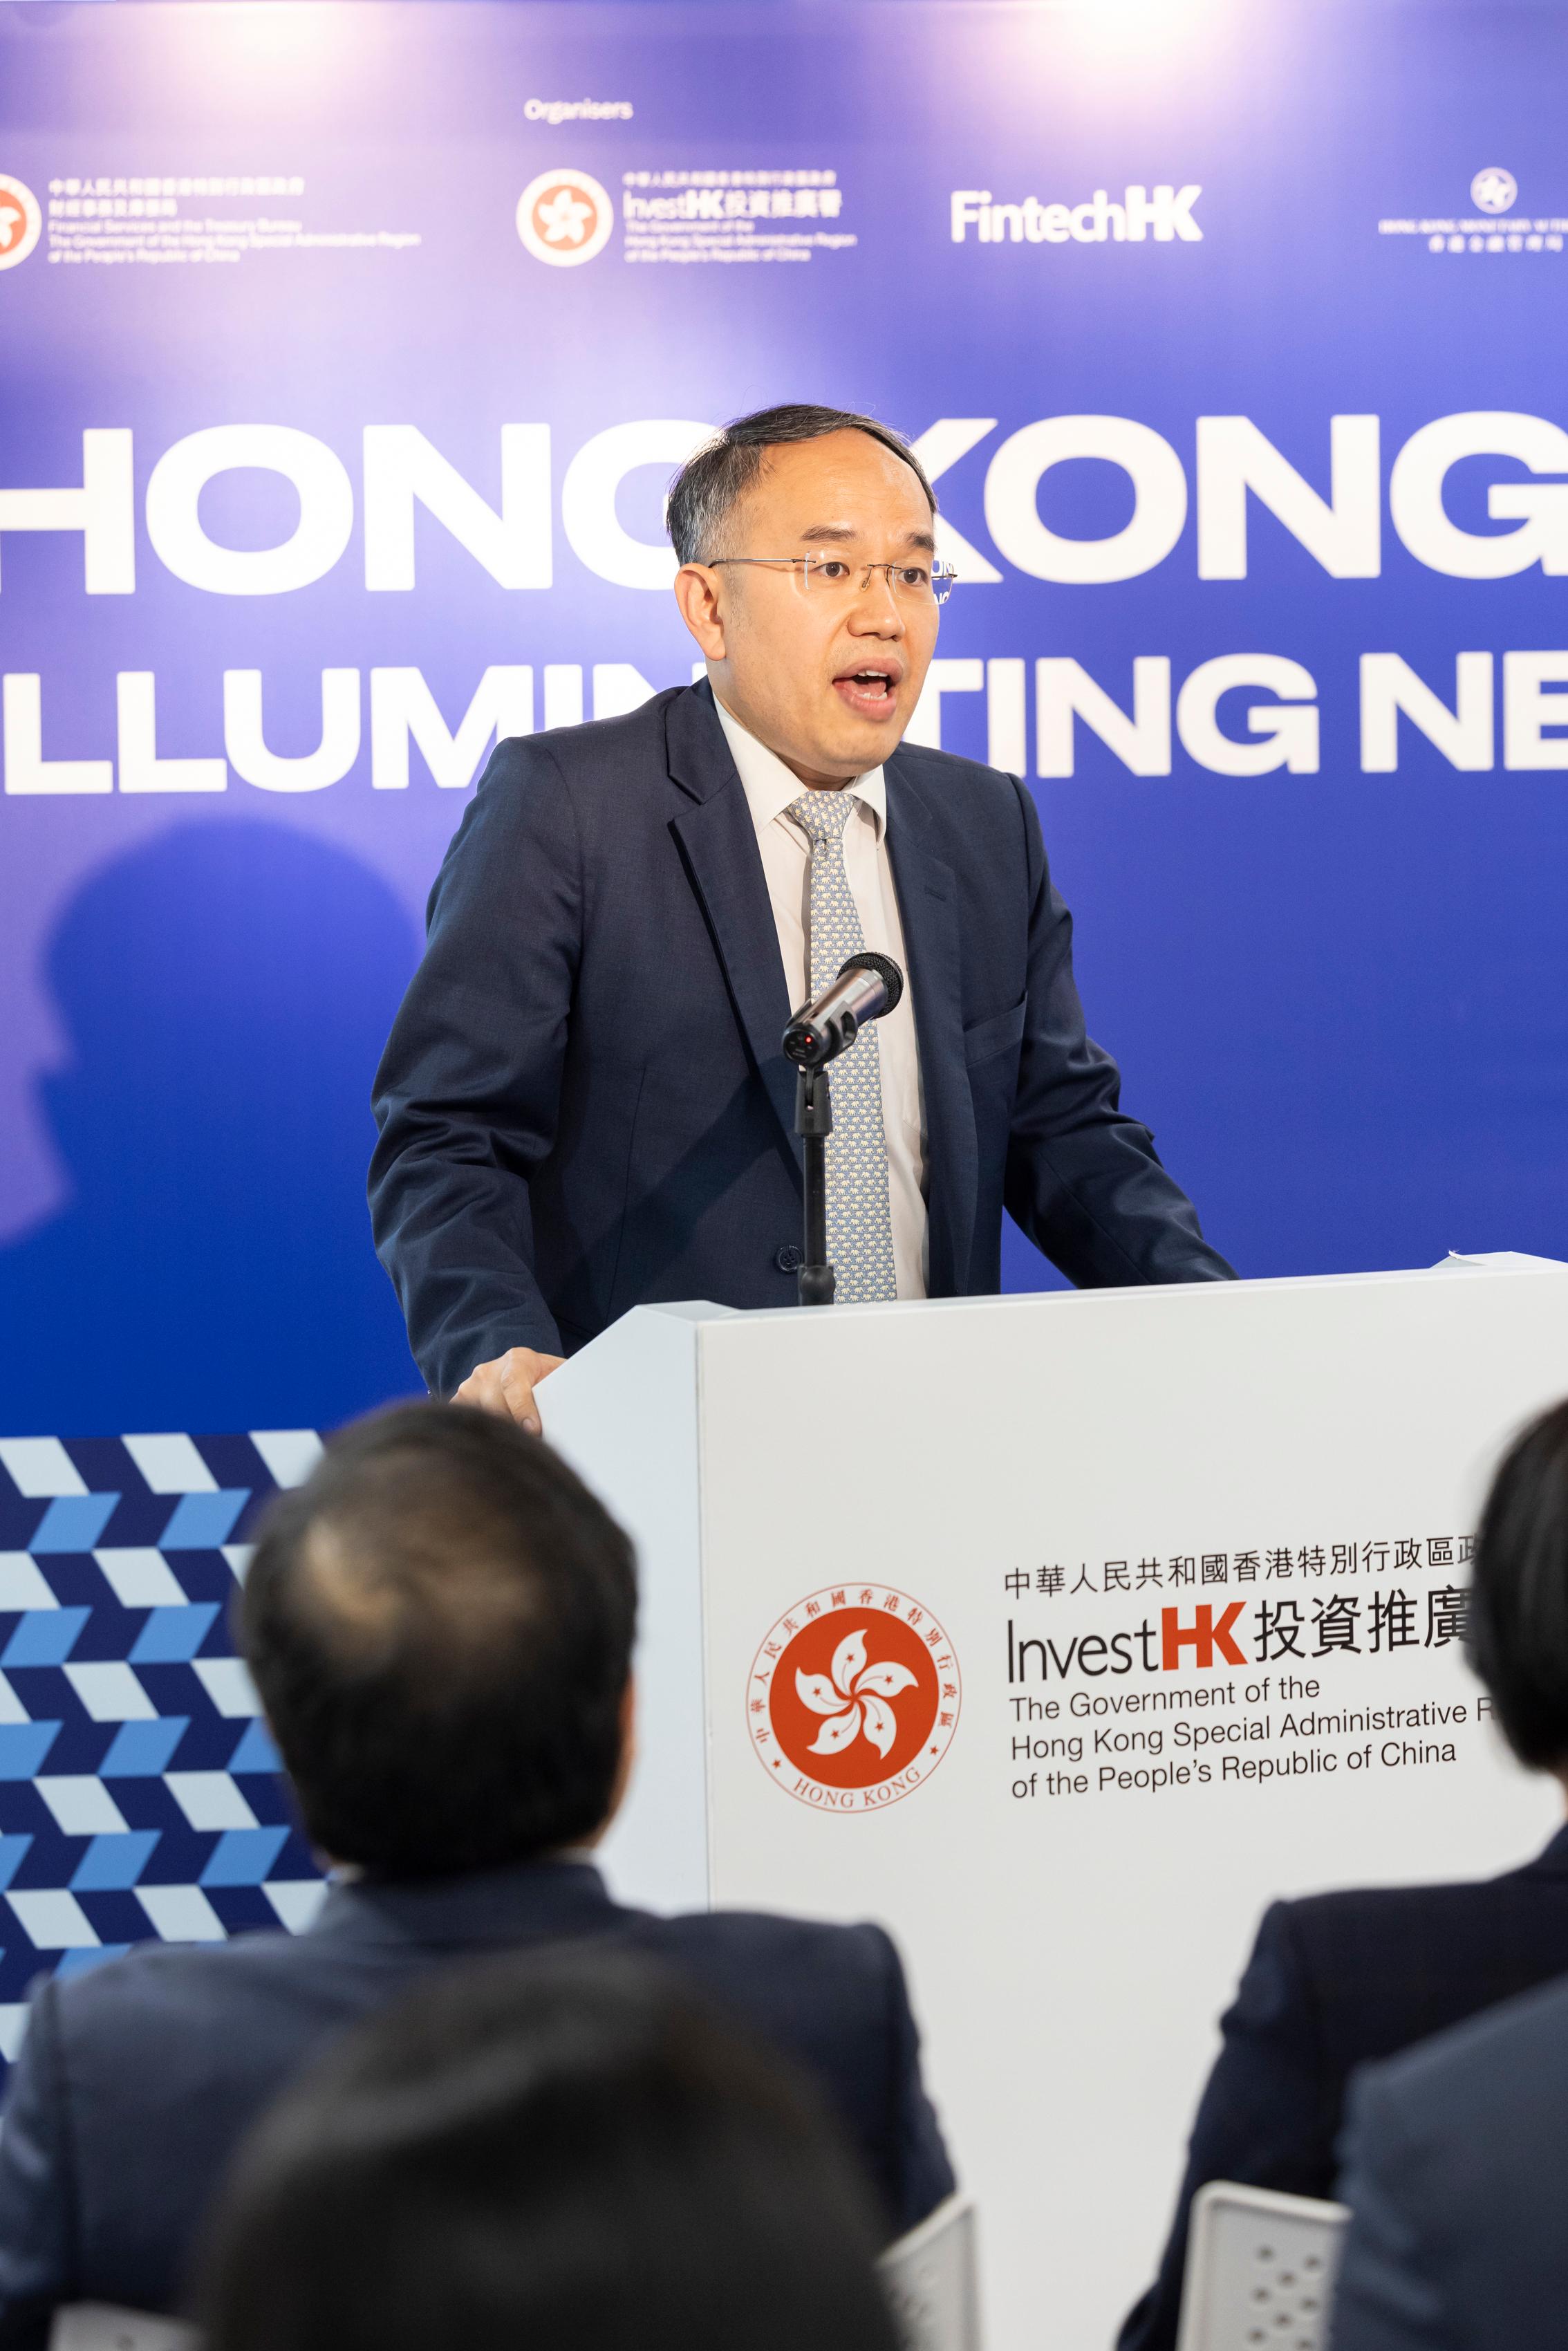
x: 813, y: 1125
x: 867, y: 986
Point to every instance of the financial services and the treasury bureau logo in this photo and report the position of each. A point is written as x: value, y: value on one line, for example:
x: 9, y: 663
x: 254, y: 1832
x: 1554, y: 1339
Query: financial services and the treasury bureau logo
x: 854, y: 1697
x: 21, y: 221
x: 565, y: 216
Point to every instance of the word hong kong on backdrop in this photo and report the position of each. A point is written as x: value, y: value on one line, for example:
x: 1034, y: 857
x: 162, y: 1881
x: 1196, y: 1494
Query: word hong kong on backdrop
x: 1477, y: 708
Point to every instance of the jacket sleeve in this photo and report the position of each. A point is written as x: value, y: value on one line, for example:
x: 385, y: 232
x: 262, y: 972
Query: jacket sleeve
x: 1082, y: 1179
x: 37, y: 2191
x: 467, y: 1094
x: 921, y: 2173
x: 1267, y: 2118
x: 1386, y: 2296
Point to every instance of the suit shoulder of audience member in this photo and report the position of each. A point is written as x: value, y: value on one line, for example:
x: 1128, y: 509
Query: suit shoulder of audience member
x: 857, y: 1952
x: 1322, y: 1924
x: 1489, y: 2070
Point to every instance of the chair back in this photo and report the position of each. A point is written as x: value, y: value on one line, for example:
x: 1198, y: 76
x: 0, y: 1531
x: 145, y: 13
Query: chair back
x: 932, y: 2281
x: 1259, y: 2270
x: 99, y: 2326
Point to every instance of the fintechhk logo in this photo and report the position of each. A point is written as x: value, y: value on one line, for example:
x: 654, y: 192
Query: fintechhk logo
x: 853, y: 1699
x: 21, y: 222
x: 565, y: 216
x: 1166, y: 216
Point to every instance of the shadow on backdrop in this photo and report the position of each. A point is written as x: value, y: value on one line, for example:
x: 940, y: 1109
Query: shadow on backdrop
x: 225, y: 991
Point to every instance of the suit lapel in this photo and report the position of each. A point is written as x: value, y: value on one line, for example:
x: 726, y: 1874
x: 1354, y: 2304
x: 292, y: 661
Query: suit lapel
x: 928, y: 909
x: 717, y: 841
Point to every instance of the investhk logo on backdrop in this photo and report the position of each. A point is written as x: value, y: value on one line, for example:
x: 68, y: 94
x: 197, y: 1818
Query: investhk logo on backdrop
x: 1164, y: 214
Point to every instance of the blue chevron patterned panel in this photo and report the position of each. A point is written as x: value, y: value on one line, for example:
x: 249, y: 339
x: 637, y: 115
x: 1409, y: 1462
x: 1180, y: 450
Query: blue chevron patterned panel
x: 140, y: 1794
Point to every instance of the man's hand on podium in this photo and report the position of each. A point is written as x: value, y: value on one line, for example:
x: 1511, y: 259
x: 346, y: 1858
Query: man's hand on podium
x: 506, y: 1385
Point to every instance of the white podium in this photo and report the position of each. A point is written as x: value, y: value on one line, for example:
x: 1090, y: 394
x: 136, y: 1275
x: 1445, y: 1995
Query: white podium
x: 1060, y: 1635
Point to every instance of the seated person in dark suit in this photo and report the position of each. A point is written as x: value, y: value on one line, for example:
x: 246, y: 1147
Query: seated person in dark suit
x: 567, y: 2153
x: 1455, y: 2156
x: 1339, y: 1979
x: 440, y: 1624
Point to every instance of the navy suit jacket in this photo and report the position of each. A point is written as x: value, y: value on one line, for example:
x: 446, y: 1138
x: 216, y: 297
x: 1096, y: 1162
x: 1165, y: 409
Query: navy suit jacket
x: 583, y: 1104
x: 1333, y: 1982
x: 137, y: 2080
x: 1456, y: 2157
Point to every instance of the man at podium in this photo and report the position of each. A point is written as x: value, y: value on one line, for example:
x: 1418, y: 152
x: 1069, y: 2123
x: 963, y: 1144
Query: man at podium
x: 584, y: 1103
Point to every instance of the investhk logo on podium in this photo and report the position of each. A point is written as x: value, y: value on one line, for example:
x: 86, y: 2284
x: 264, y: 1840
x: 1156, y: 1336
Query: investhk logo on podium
x: 854, y: 1697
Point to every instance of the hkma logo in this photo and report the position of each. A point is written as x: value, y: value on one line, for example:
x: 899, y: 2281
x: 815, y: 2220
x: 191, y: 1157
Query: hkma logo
x: 1494, y: 190
x: 21, y: 222
x: 853, y: 1699
x: 565, y: 216
x: 1166, y: 215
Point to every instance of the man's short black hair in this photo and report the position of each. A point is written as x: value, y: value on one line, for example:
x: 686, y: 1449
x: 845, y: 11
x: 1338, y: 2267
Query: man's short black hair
x: 710, y: 485
x: 440, y: 1624
x: 1519, y: 1594
x: 562, y: 2150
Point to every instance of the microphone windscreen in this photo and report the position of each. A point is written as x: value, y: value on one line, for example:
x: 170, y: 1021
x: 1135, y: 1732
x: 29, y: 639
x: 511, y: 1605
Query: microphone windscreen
x: 886, y: 970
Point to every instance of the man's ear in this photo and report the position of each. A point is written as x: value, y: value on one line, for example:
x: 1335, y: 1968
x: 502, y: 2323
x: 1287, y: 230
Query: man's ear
x: 698, y: 592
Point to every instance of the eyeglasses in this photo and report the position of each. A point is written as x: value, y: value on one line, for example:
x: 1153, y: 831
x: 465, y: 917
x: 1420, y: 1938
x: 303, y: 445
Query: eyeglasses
x: 837, y: 576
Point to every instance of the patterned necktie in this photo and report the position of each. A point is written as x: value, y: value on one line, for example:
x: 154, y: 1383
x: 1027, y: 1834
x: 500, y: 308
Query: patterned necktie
x: 860, y: 1218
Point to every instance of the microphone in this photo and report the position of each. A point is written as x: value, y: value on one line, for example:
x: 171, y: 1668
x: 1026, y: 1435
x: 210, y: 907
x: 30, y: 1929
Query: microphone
x: 867, y: 987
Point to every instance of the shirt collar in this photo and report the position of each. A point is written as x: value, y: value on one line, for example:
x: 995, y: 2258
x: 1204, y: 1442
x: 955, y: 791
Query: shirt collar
x: 769, y: 787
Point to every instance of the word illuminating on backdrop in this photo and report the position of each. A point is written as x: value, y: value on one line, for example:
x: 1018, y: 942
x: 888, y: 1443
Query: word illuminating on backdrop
x: 404, y: 714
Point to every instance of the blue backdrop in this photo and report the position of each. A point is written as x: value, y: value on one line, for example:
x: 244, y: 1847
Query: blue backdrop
x: 344, y: 353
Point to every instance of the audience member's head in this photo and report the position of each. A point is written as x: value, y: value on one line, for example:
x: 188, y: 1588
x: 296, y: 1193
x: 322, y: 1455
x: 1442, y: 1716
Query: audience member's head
x: 440, y: 1624
x: 1519, y: 1595
x: 564, y: 2152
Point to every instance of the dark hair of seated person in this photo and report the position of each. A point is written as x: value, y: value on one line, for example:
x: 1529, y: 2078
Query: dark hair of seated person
x: 439, y: 1623
x: 1518, y: 1624
x: 561, y: 2151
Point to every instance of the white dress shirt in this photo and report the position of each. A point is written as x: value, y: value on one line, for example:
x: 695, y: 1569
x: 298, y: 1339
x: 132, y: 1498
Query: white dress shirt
x: 769, y: 787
